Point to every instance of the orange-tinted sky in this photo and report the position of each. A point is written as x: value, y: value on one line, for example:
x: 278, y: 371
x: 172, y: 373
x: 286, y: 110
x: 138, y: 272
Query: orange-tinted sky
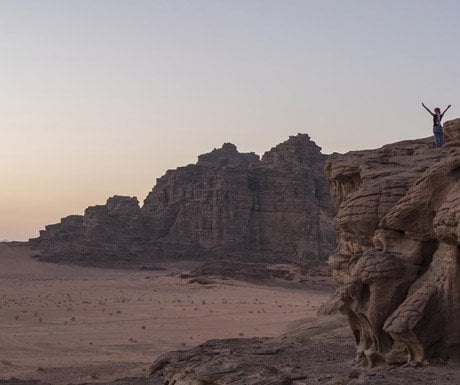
x: 101, y: 97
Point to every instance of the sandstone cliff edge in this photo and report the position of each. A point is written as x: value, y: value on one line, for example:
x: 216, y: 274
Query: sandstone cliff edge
x: 398, y: 256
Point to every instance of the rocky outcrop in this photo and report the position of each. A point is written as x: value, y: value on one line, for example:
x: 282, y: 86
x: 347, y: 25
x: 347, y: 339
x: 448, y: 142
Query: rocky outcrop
x: 279, y: 205
x: 229, y: 204
x: 208, y: 203
x: 104, y: 232
x: 397, y: 261
x: 313, y: 352
x: 292, y: 207
x: 290, y: 275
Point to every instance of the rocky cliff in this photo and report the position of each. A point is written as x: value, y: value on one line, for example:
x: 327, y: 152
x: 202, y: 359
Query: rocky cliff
x: 228, y: 204
x: 398, y: 255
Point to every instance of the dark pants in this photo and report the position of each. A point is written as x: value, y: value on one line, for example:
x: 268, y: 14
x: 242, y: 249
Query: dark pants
x: 438, y: 136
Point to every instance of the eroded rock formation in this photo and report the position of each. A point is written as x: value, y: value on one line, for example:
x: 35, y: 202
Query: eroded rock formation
x: 307, y: 275
x: 312, y: 351
x: 287, y: 360
x: 228, y: 204
x: 397, y: 261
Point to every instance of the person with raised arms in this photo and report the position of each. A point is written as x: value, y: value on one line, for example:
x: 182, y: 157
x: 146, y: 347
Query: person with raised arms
x: 437, y: 125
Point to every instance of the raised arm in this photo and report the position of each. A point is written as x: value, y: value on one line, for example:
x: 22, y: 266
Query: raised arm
x: 426, y: 108
x: 446, y: 109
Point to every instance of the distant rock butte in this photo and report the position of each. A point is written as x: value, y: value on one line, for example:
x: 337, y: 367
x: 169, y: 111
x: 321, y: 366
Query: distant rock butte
x: 228, y: 204
x: 397, y: 261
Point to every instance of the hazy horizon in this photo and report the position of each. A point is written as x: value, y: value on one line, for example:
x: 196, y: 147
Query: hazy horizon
x: 101, y: 98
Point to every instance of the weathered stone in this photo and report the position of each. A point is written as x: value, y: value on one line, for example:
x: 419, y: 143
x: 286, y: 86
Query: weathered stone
x: 279, y: 274
x: 228, y: 204
x: 278, y: 206
x: 398, y: 256
x: 301, y: 357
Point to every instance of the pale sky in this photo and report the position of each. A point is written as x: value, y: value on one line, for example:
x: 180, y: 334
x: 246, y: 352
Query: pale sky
x: 101, y: 97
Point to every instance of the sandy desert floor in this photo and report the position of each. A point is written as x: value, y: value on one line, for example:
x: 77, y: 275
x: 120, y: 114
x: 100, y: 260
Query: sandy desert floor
x: 66, y: 324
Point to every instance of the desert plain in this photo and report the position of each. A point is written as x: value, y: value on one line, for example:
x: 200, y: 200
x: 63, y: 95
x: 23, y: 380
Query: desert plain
x: 70, y: 324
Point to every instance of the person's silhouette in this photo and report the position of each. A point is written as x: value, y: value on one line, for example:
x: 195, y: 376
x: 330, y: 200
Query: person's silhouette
x: 437, y: 125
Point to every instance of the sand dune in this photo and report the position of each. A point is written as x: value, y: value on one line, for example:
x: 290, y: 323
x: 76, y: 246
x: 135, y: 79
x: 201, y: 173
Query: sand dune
x: 67, y: 324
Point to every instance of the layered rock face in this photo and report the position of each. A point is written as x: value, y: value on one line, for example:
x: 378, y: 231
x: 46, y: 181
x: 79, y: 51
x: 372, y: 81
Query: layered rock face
x: 279, y: 205
x: 104, y: 231
x: 397, y: 261
x: 292, y: 208
x: 227, y: 204
x: 208, y: 203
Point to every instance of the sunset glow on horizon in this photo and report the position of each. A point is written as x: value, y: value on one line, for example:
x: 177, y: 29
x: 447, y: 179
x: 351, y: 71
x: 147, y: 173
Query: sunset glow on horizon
x: 102, y: 97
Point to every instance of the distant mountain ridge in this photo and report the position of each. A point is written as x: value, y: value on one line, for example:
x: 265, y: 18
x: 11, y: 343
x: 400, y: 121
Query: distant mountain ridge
x: 227, y: 205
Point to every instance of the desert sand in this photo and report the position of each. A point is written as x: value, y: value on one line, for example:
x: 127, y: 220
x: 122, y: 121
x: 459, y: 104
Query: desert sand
x: 68, y: 324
